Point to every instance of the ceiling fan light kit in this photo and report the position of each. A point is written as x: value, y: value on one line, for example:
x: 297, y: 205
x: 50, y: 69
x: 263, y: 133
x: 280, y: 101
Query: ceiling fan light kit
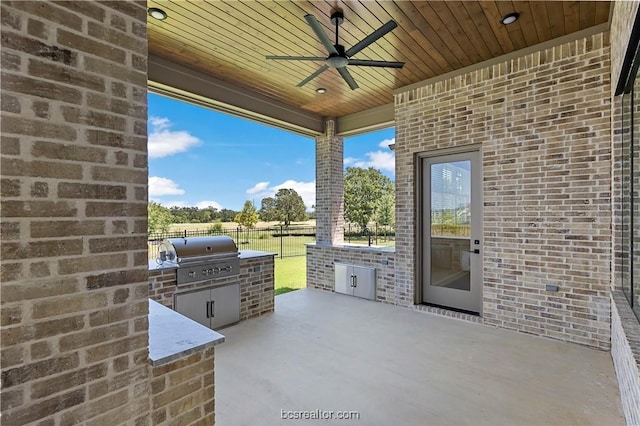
x: 339, y: 58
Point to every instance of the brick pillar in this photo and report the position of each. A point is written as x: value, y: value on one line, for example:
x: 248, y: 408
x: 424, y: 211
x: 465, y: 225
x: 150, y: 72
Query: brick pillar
x: 329, y: 187
x: 74, y: 213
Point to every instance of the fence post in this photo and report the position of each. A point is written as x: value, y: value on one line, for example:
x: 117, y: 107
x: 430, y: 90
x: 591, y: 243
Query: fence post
x: 238, y: 235
x: 281, y: 242
x: 376, y: 233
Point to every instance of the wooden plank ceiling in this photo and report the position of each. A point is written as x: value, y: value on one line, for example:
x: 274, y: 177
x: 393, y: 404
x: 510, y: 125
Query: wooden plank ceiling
x: 229, y: 40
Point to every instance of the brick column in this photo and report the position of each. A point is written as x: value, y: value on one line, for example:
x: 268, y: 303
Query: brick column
x: 329, y: 187
x: 74, y: 213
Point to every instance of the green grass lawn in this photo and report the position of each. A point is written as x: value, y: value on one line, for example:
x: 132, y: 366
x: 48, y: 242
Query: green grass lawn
x: 291, y: 274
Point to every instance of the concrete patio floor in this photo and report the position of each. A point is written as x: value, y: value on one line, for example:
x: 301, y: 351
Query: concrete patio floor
x: 396, y: 366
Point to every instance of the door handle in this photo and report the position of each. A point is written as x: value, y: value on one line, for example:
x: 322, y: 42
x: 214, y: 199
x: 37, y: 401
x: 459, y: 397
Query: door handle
x: 212, y: 307
x: 355, y: 281
x: 208, y: 309
x: 475, y: 251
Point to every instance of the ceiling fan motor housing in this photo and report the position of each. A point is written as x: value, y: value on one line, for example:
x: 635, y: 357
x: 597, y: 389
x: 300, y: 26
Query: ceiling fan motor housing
x: 339, y: 60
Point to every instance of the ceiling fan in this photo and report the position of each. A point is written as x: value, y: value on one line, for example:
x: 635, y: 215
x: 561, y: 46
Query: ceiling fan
x: 338, y: 57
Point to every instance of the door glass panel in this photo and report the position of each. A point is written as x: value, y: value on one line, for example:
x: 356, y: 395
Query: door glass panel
x: 451, y: 225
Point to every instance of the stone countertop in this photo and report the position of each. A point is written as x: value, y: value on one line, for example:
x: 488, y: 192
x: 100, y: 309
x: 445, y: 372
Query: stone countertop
x: 155, y: 266
x: 250, y: 254
x: 173, y: 336
x: 347, y: 246
x: 243, y: 254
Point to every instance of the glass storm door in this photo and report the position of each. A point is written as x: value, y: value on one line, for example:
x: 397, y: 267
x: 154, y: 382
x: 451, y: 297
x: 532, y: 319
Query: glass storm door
x: 452, y: 228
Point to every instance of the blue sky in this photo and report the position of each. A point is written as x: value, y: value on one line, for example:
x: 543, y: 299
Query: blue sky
x: 199, y: 157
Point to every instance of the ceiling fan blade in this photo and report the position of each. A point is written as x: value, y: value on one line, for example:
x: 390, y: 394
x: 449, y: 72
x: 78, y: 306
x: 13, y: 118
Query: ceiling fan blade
x: 381, y: 64
x: 322, y: 36
x: 348, y: 78
x: 297, y: 58
x: 380, y: 32
x: 314, y: 75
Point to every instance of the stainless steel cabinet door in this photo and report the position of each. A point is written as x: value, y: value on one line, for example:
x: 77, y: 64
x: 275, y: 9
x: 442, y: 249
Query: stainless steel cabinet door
x: 359, y: 281
x: 194, y: 305
x: 225, y: 305
x: 365, y: 282
x: 343, y: 279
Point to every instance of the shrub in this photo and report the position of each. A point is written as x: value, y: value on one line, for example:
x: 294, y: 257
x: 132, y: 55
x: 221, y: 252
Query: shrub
x: 215, y: 228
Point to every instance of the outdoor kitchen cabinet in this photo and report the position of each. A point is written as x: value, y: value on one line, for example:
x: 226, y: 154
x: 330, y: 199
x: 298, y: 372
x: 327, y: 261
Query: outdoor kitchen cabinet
x: 359, y: 281
x: 213, y: 307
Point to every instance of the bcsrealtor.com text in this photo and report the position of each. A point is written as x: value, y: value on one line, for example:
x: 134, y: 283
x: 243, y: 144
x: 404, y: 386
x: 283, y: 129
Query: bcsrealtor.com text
x: 319, y: 415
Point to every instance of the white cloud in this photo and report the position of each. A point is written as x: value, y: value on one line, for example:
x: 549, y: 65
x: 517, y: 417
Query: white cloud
x: 159, y: 186
x: 258, y: 188
x: 173, y: 203
x: 306, y: 190
x: 159, y: 123
x: 164, y: 142
x: 207, y: 203
x: 380, y: 159
x: 349, y: 161
x: 385, y: 143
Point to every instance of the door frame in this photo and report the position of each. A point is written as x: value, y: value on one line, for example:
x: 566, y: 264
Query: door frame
x: 419, y: 196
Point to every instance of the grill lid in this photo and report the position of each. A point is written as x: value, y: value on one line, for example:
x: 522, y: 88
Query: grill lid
x: 192, y: 248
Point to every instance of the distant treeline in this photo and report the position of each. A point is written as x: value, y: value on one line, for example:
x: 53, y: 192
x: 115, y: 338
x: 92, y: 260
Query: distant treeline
x: 203, y: 215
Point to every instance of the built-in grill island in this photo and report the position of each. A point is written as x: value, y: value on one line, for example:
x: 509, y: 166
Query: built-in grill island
x: 201, y: 258
x: 209, y: 281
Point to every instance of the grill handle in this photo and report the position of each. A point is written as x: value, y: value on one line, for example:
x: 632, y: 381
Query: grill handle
x: 195, y: 259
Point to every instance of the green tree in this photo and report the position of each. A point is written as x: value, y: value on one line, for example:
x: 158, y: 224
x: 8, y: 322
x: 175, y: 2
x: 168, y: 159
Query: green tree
x: 227, y: 215
x: 248, y: 217
x: 385, y: 212
x: 159, y: 218
x: 363, y: 191
x: 268, y: 210
x: 289, y: 206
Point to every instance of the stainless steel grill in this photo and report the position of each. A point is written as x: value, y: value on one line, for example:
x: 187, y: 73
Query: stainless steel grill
x: 201, y: 258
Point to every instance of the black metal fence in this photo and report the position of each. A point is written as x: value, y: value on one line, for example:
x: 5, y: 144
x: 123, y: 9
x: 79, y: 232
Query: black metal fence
x: 374, y: 234
x: 281, y: 240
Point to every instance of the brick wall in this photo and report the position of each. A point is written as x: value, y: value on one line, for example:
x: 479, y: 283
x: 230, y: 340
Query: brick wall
x: 625, y: 351
x: 329, y: 187
x: 543, y: 121
x: 256, y: 280
x: 182, y: 391
x: 74, y: 220
x: 321, y: 269
x: 162, y: 286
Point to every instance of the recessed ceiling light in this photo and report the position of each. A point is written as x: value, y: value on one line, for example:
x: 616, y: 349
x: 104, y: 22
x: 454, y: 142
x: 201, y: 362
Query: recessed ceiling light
x: 321, y: 90
x: 510, y: 18
x: 158, y: 14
